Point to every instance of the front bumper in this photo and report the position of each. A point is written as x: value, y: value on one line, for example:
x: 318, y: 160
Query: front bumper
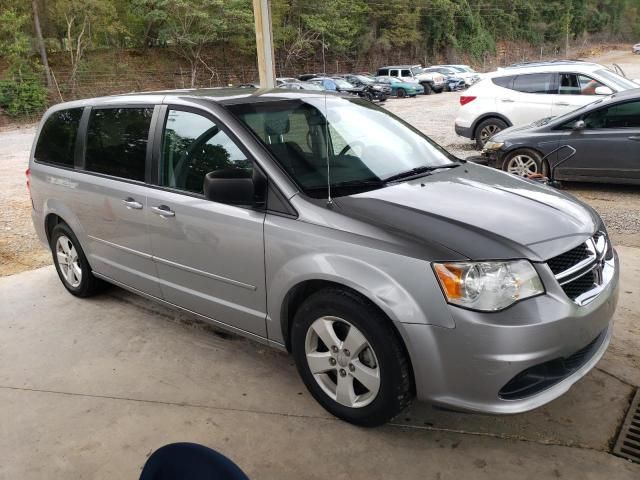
x: 467, y: 367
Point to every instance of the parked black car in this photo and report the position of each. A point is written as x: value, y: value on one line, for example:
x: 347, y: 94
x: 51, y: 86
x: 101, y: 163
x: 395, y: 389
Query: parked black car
x: 371, y: 89
x: 605, y: 135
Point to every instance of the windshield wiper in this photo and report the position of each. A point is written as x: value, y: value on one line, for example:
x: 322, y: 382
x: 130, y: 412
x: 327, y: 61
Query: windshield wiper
x: 417, y: 172
x: 350, y: 184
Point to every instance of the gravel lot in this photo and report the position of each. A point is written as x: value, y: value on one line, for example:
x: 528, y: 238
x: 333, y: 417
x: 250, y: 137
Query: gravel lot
x: 433, y: 114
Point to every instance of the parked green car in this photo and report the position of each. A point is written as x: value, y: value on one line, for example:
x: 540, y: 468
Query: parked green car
x: 401, y: 89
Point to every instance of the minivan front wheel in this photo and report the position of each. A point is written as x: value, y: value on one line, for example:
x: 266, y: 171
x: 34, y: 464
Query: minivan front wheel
x: 350, y: 358
x: 71, y: 263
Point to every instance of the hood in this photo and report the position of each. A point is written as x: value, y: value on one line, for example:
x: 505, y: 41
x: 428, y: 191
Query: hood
x: 507, y: 132
x: 480, y: 213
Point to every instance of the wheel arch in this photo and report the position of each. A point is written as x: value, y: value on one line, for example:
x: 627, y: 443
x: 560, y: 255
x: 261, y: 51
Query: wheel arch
x: 487, y: 116
x: 56, y: 212
x: 302, y: 290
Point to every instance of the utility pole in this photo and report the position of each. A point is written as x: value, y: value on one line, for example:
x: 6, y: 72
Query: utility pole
x: 41, y: 46
x: 264, y: 43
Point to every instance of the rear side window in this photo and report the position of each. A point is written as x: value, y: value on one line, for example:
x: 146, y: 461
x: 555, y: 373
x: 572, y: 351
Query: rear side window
x: 506, y: 82
x: 406, y: 73
x: 383, y: 71
x: 534, y: 83
x: 57, y: 140
x: 117, y: 141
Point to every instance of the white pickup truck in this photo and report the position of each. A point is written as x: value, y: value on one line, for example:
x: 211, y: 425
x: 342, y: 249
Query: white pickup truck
x: 431, y: 81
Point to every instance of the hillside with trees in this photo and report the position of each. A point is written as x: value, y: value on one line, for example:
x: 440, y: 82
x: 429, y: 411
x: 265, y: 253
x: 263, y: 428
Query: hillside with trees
x: 52, y: 50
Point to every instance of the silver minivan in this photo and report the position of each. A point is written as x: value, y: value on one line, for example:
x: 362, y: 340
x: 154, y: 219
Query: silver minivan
x: 329, y: 228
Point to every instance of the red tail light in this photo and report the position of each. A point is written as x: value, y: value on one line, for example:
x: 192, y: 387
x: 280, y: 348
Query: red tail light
x: 28, y: 174
x: 464, y: 99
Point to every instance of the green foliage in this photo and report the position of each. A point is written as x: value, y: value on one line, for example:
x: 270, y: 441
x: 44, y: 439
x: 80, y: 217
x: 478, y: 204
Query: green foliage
x: 23, y: 92
x: 22, y: 97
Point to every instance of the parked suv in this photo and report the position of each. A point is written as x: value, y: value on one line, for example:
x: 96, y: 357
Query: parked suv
x: 315, y: 223
x: 523, y: 94
x: 430, y: 81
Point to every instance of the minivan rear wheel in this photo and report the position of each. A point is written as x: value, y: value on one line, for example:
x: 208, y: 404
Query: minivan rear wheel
x: 71, y: 263
x: 350, y: 358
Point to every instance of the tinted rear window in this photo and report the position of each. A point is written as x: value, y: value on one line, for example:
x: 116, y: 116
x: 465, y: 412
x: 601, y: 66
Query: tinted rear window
x: 57, y: 140
x: 534, y: 83
x: 117, y: 141
x: 505, y: 82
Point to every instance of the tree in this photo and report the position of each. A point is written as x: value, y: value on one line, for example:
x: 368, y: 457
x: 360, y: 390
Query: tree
x: 79, y: 22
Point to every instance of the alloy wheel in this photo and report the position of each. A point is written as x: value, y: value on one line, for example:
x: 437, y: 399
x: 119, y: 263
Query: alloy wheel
x: 487, y: 132
x: 68, y: 261
x: 522, y: 165
x: 342, y: 362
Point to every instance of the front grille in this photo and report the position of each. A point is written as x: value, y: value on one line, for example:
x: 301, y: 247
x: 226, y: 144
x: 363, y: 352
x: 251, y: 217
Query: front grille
x: 579, y: 270
x: 580, y: 285
x: 540, y: 377
x: 568, y: 259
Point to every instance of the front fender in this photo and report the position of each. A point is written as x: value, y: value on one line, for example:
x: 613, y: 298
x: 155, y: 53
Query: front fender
x: 400, y: 301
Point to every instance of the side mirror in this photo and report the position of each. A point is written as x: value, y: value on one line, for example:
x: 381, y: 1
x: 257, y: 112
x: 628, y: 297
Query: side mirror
x: 603, y: 91
x: 579, y: 125
x: 236, y: 186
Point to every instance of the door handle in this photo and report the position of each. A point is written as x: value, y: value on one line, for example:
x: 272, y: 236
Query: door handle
x: 634, y: 137
x: 163, y: 211
x: 131, y: 203
x: 562, y: 104
x: 507, y: 100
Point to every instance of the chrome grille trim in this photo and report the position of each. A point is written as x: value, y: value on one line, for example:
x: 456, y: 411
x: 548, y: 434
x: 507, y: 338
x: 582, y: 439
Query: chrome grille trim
x: 596, y: 264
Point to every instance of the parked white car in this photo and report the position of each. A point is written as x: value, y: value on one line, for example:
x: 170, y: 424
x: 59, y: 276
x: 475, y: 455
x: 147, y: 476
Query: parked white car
x: 469, y: 75
x: 523, y: 94
x: 636, y: 48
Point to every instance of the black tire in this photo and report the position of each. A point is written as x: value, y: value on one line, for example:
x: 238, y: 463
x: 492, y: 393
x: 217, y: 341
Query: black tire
x: 525, y: 154
x: 382, y: 98
x: 401, y: 93
x: 487, y: 128
x: 427, y: 88
x: 88, y: 285
x: 395, y: 391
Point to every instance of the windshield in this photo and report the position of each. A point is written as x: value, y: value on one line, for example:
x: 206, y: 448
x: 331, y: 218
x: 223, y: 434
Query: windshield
x: 578, y: 110
x: 619, y: 83
x: 416, y: 70
x: 364, y: 144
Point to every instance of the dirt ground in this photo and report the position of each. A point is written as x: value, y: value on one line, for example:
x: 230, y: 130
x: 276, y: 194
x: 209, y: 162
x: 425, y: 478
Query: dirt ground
x: 434, y: 114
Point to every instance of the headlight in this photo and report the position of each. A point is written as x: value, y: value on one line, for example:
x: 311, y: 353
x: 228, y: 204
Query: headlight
x: 490, y: 146
x: 377, y: 87
x: 488, y: 286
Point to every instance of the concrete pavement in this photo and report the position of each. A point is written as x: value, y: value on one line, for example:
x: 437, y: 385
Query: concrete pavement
x: 88, y: 388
